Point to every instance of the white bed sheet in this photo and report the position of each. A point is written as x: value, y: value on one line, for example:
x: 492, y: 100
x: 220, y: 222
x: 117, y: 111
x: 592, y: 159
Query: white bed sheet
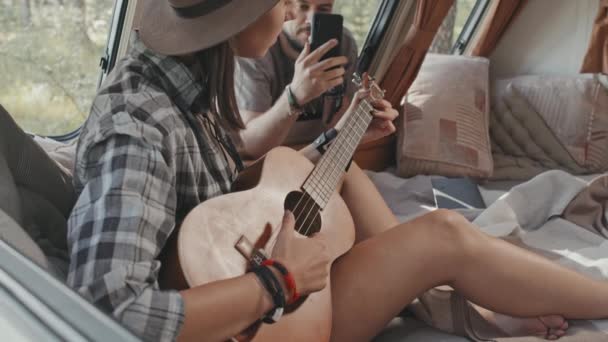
x: 409, y: 198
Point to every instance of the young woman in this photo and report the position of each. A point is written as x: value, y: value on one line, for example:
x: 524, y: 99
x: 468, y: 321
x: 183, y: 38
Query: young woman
x: 156, y: 144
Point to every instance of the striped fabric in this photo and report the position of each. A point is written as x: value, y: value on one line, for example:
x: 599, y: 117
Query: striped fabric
x: 549, y: 122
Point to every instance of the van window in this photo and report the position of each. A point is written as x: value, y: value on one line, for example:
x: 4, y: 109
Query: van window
x: 49, y: 60
x: 358, y: 16
x: 455, y: 31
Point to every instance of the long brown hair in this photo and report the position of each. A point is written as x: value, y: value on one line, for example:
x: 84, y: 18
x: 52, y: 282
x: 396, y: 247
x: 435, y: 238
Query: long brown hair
x: 218, y: 67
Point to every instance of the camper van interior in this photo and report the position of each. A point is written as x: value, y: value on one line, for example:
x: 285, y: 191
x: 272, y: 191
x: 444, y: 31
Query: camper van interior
x: 493, y: 112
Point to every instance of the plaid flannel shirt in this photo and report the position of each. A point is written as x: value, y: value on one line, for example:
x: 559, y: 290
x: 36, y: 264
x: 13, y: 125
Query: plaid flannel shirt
x: 139, y: 170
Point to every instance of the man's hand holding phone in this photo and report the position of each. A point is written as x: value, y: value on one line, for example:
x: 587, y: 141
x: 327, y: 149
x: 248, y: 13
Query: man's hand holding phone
x: 313, y: 76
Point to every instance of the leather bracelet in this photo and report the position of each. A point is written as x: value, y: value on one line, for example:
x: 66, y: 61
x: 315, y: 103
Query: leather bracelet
x: 289, y: 280
x: 273, y: 286
x: 294, y: 107
x: 322, y: 142
x: 350, y: 162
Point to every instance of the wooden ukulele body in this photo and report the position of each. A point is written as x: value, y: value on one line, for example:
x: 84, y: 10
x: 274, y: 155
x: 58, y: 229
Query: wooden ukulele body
x: 206, y: 240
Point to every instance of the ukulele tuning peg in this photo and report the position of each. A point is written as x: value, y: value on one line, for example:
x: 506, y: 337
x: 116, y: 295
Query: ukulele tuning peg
x: 357, y: 79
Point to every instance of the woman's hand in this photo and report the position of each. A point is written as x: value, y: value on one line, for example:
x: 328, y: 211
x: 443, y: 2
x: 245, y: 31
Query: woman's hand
x: 382, y: 123
x: 307, y: 259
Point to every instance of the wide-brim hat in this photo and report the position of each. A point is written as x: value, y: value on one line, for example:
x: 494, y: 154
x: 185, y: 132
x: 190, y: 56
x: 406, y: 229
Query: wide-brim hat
x: 179, y: 27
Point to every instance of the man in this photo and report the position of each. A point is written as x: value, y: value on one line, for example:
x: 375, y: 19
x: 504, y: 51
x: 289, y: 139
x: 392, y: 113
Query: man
x: 261, y: 86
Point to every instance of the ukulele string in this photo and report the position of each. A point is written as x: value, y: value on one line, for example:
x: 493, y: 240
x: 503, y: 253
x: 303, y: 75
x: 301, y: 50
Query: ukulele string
x: 359, y: 113
x: 317, y: 186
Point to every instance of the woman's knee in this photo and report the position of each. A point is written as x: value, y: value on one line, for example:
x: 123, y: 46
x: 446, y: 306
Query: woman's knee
x: 453, y: 230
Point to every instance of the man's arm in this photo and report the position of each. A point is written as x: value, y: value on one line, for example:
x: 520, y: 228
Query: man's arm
x: 263, y: 131
x: 312, y: 78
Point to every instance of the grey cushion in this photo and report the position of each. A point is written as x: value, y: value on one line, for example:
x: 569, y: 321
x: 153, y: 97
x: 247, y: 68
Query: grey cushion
x: 15, y: 236
x: 34, y: 192
x: 9, y: 195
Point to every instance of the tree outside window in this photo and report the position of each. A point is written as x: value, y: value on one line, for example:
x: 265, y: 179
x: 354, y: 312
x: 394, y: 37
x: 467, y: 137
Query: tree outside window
x: 452, y: 26
x: 358, y: 16
x: 49, y: 60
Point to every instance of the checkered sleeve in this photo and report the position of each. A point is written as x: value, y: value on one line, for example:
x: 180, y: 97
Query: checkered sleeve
x: 121, y: 221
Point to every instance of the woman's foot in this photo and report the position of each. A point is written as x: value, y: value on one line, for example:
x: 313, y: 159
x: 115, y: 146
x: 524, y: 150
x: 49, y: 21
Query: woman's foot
x: 550, y: 327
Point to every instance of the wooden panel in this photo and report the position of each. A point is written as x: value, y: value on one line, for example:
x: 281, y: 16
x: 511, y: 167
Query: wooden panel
x: 377, y: 155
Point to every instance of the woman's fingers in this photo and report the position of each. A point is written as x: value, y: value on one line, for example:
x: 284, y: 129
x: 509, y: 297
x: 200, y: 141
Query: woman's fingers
x: 388, y: 115
x: 384, y: 125
x: 381, y: 104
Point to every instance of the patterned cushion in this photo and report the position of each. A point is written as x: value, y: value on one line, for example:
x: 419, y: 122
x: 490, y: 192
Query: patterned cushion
x: 444, y: 129
x: 541, y: 123
x: 36, y: 195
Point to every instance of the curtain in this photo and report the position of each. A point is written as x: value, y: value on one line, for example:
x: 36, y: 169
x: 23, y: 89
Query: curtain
x: 500, y: 15
x: 404, y: 68
x: 596, y: 60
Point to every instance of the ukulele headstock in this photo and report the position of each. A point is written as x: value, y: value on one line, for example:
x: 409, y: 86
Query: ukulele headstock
x: 367, y: 82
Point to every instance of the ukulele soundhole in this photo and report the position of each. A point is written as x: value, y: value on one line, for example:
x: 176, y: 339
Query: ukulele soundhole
x: 306, y: 211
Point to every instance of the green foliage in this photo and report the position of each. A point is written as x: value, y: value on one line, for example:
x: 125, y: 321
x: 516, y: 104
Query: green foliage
x: 462, y: 14
x: 50, y: 50
x: 49, y: 66
x: 358, y: 16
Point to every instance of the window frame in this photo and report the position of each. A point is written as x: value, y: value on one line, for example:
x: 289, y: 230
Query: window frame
x: 470, y: 27
x: 376, y: 34
x: 123, y: 8
x: 108, y: 60
x: 52, y: 306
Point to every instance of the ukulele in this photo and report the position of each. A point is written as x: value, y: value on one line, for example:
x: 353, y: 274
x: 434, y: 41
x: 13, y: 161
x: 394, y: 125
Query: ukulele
x: 215, y: 239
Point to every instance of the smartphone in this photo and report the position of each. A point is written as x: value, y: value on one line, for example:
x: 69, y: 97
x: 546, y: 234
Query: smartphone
x: 325, y: 27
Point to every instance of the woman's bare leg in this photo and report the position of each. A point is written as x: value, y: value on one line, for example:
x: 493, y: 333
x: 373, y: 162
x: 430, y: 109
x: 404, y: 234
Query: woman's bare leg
x: 379, y: 276
x: 369, y: 210
x: 372, y: 216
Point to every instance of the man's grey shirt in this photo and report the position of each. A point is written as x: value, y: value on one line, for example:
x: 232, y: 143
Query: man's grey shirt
x: 261, y: 82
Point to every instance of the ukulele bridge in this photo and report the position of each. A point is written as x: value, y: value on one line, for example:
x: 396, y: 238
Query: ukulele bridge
x: 255, y: 256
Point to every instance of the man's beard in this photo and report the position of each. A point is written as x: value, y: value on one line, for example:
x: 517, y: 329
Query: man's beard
x: 304, y: 28
x: 295, y: 40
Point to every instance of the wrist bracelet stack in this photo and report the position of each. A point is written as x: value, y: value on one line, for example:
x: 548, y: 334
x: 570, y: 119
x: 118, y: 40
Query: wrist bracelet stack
x: 274, y: 288
x: 294, y: 107
x: 289, y: 280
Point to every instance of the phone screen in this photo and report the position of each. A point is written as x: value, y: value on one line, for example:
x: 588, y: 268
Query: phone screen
x: 324, y: 28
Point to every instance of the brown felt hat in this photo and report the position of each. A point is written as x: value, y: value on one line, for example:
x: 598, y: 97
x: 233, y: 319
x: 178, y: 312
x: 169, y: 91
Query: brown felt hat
x: 179, y: 27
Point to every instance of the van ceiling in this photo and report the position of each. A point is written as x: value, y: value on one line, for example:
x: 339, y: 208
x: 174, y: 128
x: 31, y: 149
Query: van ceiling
x: 548, y: 37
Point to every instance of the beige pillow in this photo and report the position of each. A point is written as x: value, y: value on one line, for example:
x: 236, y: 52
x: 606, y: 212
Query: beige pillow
x: 549, y: 122
x: 444, y: 129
